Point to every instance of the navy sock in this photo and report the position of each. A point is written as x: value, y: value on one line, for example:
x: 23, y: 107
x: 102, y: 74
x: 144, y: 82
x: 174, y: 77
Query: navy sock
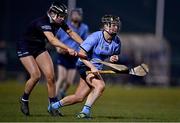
x: 25, y: 96
x: 53, y: 99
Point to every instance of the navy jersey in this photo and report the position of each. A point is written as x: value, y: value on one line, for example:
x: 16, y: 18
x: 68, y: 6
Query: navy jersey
x: 33, y: 38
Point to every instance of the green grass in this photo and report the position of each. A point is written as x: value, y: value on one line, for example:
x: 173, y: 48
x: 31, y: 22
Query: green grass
x: 117, y: 104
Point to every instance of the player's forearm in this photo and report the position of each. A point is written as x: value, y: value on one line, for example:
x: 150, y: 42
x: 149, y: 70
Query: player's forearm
x: 86, y: 62
x: 57, y: 43
x: 75, y: 37
x: 54, y: 41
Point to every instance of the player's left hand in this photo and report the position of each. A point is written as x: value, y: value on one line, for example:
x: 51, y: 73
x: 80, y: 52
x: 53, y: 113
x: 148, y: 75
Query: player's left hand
x: 61, y: 51
x: 114, y: 58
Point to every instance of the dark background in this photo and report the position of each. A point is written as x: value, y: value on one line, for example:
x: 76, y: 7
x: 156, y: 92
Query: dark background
x: 137, y: 16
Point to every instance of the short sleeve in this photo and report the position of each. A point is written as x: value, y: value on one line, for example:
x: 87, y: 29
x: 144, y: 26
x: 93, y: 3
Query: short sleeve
x: 118, y: 50
x: 44, y: 26
x: 90, y: 42
x: 118, y: 47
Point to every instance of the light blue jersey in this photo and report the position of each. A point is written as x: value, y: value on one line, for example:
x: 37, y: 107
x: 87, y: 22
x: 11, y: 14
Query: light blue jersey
x: 98, y: 48
x: 82, y: 31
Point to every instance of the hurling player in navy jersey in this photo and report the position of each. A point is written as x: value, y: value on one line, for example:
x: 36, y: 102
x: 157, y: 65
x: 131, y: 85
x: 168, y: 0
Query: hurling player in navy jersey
x: 34, y: 56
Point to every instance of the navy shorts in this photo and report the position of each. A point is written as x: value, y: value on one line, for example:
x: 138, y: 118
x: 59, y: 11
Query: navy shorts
x: 82, y: 71
x: 24, y: 50
x: 69, y: 62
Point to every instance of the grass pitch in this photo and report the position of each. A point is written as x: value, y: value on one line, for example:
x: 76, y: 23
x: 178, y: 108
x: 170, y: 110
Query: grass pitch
x: 117, y: 104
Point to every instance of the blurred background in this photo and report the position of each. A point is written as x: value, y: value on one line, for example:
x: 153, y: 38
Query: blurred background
x: 149, y: 33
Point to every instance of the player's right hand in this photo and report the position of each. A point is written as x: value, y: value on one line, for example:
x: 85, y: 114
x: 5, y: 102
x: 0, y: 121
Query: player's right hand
x: 72, y: 52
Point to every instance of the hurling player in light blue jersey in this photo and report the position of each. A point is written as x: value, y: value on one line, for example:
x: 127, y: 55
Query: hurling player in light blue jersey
x: 99, y: 45
x: 66, y: 63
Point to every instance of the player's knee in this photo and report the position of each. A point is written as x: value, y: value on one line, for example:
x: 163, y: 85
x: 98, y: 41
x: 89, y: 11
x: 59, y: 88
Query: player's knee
x: 61, y: 79
x: 100, y: 87
x: 50, y: 77
x: 35, y: 75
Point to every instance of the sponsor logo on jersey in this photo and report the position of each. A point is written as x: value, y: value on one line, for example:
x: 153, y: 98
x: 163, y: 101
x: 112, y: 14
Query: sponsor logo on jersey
x: 46, y: 27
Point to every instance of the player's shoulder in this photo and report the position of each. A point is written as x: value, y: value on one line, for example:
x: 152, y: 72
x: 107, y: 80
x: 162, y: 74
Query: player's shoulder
x: 44, y: 20
x: 97, y: 33
x: 117, y: 39
x: 43, y: 23
x: 93, y: 37
x: 84, y: 26
x: 40, y: 22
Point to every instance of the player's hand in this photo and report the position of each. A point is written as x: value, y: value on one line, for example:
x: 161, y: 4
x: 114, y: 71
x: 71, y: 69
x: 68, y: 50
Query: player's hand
x: 61, y: 51
x: 72, y: 52
x: 95, y: 71
x: 114, y: 58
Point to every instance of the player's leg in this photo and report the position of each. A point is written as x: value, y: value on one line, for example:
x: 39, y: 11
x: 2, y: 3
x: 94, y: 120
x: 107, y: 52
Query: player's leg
x: 46, y: 65
x: 62, y: 75
x: 71, y: 73
x: 31, y: 66
x: 81, y: 92
x: 98, y: 87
